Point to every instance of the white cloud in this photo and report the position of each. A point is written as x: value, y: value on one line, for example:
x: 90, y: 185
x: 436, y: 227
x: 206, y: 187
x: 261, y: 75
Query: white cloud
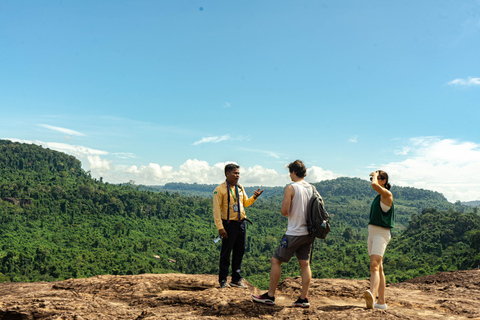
x: 212, y: 139
x: 96, y: 163
x: 153, y: 173
x: 272, y: 154
x: 125, y: 155
x: 465, y: 82
x: 260, y: 176
x: 197, y: 171
x: 317, y: 174
x: 62, y: 130
x: 265, y: 152
x: 444, y: 165
x: 189, y: 172
x: 403, y: 152
x: 354, y: 139
x: 77, y: 151
x: 448, y: 166
x: 226, y: 105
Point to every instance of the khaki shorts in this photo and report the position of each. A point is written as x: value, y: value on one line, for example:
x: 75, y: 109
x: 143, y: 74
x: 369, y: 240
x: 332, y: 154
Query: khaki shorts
x: 298, y: 245
x: 378, y: 238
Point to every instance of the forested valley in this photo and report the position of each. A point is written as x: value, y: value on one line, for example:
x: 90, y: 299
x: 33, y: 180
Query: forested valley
x: 57, y: 222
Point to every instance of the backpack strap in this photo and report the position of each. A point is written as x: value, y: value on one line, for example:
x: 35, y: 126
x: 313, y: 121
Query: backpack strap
x: 315, y: 192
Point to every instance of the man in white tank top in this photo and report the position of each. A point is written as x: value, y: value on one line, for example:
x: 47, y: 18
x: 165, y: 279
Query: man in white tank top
x: 297, y: 239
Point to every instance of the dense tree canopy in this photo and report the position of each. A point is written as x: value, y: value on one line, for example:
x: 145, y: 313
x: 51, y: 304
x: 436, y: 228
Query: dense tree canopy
x: 57, y: 223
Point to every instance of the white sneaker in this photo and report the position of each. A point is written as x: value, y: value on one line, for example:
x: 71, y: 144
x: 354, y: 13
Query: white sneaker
x: 380, y: 306
x: 369, y: 299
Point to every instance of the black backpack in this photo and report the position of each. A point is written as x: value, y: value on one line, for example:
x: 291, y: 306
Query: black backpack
x: 318, y: 220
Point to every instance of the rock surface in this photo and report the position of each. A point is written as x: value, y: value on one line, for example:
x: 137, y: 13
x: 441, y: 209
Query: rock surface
x: 446, y: 295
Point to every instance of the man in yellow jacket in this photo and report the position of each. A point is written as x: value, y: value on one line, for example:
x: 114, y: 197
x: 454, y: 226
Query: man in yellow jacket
x: 229, y: 203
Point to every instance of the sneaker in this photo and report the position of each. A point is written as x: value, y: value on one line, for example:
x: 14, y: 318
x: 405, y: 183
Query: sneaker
x: 264, y: 298
x: 380, y: 306
x: 303, y: 303
x: 237, y: 284
x: 369, y: 299
x: 223, y: 284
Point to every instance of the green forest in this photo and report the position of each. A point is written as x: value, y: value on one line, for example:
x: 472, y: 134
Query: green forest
x: 57, y: 222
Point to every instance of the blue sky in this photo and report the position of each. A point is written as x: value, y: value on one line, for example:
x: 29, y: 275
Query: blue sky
x: 169, y: 91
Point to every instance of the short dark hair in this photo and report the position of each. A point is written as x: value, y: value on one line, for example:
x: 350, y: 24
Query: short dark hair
x: 229, y: 167
x: 298, y: 167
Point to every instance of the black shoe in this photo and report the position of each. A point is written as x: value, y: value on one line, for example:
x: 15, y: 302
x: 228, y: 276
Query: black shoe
x: 223, y: 284
x: 237, y: 284
x: 303, y: 303
x: 264, y: 298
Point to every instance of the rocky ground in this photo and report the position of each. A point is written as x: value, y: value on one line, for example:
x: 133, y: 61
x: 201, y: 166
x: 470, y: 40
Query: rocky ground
x: 447, y: 295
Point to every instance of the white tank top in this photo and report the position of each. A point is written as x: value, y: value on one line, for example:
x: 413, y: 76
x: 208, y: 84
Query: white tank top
x: 384, y: 207
x: 297, y: 222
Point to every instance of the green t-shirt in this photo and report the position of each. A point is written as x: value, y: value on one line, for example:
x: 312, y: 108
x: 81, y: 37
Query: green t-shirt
x: 380, y: 218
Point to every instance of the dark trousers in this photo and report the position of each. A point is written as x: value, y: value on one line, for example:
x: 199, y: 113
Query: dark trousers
x: 235, y: 244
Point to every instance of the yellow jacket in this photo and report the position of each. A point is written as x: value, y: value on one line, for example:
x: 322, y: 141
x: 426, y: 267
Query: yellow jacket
x: 220, y: 204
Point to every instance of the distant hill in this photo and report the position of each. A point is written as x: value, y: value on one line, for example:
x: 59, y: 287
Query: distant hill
x: 343, y: 186
x: 346, y: 198
x: 472, y: 203
x: 205, y: 190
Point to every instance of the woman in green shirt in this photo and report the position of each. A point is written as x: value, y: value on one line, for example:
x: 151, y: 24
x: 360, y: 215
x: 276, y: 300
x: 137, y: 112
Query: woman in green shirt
x: 382, y: 219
